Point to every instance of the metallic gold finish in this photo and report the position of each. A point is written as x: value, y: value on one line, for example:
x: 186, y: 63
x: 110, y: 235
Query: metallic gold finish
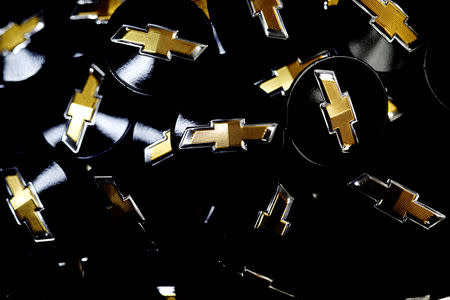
x: 337, y: 109
x: 328, y: 3
x: 390, y: 20
x: 268, y: 12
x: 82, y: 109
x: 100, y: 11
x: 285, y: 76
x: 14, y: 35
x: 225, y: 134
x: 120, y: 205
x: 26, y: 206
x: 332, y: 2
x: 397, y: 201
x: 158, y: 149
x: 274, y: 219
x: 393, y: 112
x: 157, y: 41
x: 203, y: 5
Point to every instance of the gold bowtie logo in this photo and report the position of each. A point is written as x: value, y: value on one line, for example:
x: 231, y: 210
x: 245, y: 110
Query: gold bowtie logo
x: 157, y: 41
x: 390, y: 20
x: 397, y: 201
x: 159, y: 150
x: 274, y: 218
x: 100, y: 11
x: 226, y: 134
x: 120, y: 205
x: 26, y: 206
x: 14, y: 35
x: 268, y: 12
x: 285, y: 76
x: 337, y: 109
x: 82, y: 110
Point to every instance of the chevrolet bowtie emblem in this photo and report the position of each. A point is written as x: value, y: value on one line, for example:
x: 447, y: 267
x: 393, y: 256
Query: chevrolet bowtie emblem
x: 159, y: 150
x: 100, y: 10
x: 26, y: 205
x: 337, y: 109
x: 82, y: 110
x: 285, y: 76
x: 120, y: 205
x: 157, y: 41
x: 226, y: 134
x: 14, y: 37
x: 274, y: 219
x: 397, y: 201
x: 268, y: 12
x: 390, y: 21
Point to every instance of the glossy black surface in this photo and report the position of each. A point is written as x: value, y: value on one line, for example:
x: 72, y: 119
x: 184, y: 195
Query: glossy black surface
x: 435, y: 69
x: 201, y: 206
x: 110, y: 122
x: 307, y: 130
x: 149, y: 75
x: 30, y: 58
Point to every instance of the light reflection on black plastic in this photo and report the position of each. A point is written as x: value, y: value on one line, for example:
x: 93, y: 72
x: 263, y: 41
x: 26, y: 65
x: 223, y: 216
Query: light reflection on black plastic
x: 21, y: 65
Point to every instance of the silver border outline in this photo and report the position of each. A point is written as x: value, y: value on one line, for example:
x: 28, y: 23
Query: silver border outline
x: 271, y: 128
x: 381, y: 32
x: 364, y: 177
x: 75, y: 147
x: 283, y: 34
x: 41, y: 207
x: 317, y: 73
x: 148, y: 149
x: 111, y: 180
x: 39, y: 26
x: 117, y: 38
x: 74, y: 16
x: 290, y: 200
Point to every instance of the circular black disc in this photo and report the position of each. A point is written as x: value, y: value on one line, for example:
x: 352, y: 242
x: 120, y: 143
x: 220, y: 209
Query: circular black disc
x: 434, y: 65
x: 308, y: 123
x: 150, y: 74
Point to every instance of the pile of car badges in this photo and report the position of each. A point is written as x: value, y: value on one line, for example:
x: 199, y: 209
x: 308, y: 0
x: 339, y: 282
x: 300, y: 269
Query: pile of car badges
x: 207, y: 149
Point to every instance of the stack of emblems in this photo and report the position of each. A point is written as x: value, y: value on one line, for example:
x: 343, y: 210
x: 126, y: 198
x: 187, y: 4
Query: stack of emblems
x: 216, y: 150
